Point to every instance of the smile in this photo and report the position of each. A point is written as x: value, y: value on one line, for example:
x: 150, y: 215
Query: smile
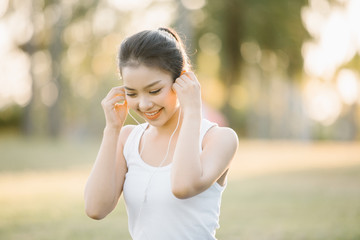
x: 152, y: 115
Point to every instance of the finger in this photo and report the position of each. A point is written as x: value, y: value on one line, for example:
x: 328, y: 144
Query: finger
x: 120, y: 105
x: 109, y: 103
x: 116, y: 90
x: 185, y: 82
x: 189, y: 76
x: 119, y: 87
x: 176, y: 87
x: 192, y: 76
x: 119, y: 95
x: 180, y: 81
x: 192, y: 79
x: 115, y: 97
x: 118, y: 99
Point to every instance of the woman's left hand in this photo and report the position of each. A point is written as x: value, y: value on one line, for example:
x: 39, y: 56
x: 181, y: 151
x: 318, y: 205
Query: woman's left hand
x: 187, y: 88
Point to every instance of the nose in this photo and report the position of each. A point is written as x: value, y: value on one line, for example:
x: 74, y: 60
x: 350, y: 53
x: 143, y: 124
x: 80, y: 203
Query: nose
x: 145, y: 104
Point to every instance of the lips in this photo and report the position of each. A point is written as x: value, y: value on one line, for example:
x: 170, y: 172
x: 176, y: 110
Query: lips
x: 153, y: 115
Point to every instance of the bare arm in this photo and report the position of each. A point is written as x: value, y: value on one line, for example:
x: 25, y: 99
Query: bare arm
x: 105, y: 183
x: 193, y: 172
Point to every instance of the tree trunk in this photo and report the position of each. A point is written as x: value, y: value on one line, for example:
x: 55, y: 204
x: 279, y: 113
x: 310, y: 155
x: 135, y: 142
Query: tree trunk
x: 230, y: 69
x: 27, y: 123
x: 54, y: 111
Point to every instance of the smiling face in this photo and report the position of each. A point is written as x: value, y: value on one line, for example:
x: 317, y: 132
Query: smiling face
x: 149, y: 92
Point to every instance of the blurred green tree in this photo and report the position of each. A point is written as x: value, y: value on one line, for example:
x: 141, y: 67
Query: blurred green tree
x: 46, y: 48
x: 275, y: 26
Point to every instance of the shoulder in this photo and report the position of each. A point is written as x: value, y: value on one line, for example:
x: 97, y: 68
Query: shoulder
x: 223, y: 137
x: 125, y: 132
x: 127, y: 129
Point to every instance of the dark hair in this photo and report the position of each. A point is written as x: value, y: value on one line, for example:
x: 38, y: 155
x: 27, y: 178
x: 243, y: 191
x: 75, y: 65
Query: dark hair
x: 160, y: 48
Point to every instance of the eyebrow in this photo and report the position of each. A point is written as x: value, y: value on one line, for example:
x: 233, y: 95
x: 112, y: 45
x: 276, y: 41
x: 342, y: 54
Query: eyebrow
x: 147, y: 86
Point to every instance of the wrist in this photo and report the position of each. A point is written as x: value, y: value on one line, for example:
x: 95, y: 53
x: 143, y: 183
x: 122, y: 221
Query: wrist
x: 112, y: 129
x: 192, y: 115
x: 194, y: 110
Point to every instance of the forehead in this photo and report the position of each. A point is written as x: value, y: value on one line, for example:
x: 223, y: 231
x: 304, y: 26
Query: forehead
x: 141, y: 76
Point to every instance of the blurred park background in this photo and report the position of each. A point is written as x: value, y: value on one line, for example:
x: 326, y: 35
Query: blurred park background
x: 284, y: 74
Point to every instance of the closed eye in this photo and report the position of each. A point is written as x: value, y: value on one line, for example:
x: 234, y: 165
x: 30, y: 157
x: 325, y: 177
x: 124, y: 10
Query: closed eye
x: 131, y: 94
x: 155, y: 91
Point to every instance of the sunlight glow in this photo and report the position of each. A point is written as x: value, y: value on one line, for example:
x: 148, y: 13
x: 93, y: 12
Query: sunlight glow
x: 354, y: 17
x: 20, y: 27
x: 27, y: 19
x: 314, y: 17
x: 129, y: 5
x: 152, y: 17
x: 335, y: 33
x: 336, y: 40
x: 3, y: 7
x: 322, y: 102
x: 6, y: 42
x: 104, y: 21
x: 15, y: 80
x: 193, y: 4
x: 348, y: 86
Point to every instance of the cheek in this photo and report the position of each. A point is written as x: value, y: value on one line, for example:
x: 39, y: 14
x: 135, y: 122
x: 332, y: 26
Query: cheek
x: 169, y: 94
x: 171, y: 98
x: 131, y: 103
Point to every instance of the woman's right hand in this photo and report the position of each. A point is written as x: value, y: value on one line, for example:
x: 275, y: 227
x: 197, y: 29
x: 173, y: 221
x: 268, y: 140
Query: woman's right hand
x: 115, y: 108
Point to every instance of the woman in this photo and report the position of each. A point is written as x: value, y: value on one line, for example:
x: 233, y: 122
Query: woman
x: 172, y: 169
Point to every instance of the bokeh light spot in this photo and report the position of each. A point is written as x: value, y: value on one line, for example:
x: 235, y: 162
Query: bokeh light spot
x: 49, y: 94
x: 193, y: 4
x: 322, y: 102
x: 210, y: 43
x: 348, y: 86
x: 251, y: 52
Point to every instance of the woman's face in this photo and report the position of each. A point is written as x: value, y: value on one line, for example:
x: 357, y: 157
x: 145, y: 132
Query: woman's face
x: 149, y: 92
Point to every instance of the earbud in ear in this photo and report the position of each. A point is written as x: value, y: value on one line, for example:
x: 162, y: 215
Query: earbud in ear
x: 182, y: 72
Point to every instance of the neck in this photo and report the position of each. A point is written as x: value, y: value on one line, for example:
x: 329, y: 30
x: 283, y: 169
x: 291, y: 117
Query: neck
x: 169, y: 127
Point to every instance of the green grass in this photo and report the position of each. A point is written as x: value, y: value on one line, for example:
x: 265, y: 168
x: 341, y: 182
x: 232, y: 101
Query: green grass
x: 312, y: 205
x: 41, y: 187
x: 24, y: 154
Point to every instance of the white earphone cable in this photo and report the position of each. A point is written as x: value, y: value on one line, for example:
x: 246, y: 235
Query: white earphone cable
x: 160, y: 165
x: 167, y: 153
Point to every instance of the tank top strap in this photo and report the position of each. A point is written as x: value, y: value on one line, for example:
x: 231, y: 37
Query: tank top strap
x: 205, y: 127
x: 132, y: 142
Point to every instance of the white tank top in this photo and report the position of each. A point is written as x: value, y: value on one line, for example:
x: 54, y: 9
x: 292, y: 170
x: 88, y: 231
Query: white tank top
x: 163, y: 216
